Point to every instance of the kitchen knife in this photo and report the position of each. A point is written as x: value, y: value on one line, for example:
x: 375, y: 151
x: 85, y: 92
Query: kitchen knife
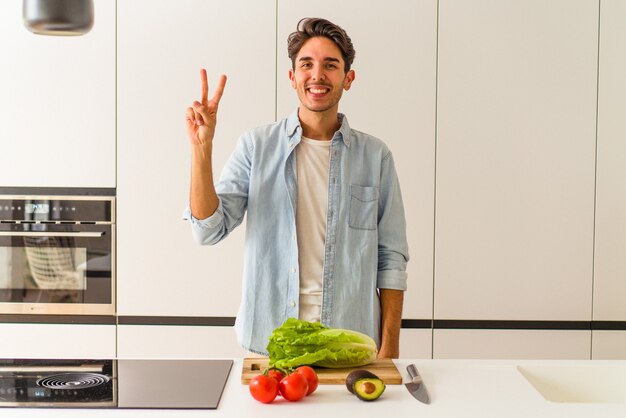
x: 416, y: 385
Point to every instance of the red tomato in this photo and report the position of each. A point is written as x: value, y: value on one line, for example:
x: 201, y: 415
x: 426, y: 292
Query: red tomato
x: 311, y: 377
x: 294, y: 387
x: 263, y: 388
x: 276, y: 374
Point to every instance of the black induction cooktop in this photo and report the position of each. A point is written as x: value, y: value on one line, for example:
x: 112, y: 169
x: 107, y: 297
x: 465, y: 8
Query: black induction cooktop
x: 149, y: 384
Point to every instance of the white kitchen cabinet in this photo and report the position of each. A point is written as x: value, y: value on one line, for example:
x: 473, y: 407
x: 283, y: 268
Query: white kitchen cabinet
x: 511, y: 344
x: 173, y: 341
x: 515, y: 160
x: 610, y: 249
x: 416, y: 343
x: 392, y: 98
x: 608, y: 345
x: 65, y: 341
x: 162, y: 45
x: 57, y: 108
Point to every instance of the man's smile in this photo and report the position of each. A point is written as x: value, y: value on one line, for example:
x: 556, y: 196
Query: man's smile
x: 317, y: 89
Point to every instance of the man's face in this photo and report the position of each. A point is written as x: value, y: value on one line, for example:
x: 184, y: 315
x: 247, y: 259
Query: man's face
x: 319, y: 77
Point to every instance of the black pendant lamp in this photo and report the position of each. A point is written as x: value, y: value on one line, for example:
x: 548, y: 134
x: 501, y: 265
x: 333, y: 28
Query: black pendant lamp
x: 58, y: 17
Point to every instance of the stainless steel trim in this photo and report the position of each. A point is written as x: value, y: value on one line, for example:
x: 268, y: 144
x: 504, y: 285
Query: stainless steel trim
x: 93, y: 368
x: 112, y: 306
x: 61, y: 308
x: 113, y: 209
x: 50, y: 234
x: 54, y: 197
x: 44, y: 222
x: 84, y: 404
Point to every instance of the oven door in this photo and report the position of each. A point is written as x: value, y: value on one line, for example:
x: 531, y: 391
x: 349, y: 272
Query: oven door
x: 57, y: 269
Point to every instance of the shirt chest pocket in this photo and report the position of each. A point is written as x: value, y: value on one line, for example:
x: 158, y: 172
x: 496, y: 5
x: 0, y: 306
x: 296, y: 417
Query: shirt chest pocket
x: 363, y: 207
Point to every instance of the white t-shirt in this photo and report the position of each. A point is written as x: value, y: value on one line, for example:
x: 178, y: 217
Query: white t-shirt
x: 312, y: 163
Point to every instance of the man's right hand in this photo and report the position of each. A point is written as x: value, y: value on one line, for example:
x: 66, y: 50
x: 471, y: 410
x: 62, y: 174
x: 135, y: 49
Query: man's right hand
x: 201, y: 120
x: 201, y: 117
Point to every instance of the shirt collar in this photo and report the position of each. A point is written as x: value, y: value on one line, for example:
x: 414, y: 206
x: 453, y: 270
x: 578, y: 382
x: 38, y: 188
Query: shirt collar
x: 294, y: 129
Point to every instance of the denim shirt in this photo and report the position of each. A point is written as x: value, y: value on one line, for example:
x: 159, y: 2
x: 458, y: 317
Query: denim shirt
x: 365, y: 246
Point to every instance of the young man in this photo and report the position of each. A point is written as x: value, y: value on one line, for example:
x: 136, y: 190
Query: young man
x: 326, y: 233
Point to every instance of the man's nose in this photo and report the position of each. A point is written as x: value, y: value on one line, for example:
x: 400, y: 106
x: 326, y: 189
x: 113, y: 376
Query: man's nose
x: 318, y: 73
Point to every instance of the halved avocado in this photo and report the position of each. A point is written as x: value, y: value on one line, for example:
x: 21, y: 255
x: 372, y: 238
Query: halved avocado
x: 369, y: 388
x: 365, y: 385
x: 356, y: 375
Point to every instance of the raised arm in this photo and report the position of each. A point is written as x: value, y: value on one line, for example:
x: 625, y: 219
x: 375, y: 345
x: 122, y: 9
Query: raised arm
x: 201, y: 119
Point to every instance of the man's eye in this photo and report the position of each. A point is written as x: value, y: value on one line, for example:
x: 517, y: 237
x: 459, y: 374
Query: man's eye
x: 331, y: 66
x: 306, y: 65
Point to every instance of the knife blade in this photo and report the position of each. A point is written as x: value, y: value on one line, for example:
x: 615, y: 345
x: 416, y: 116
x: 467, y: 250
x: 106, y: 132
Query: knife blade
x: 416, y: 385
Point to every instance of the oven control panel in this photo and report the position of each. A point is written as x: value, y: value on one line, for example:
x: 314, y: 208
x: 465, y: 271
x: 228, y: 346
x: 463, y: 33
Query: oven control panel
x: 55, y: 209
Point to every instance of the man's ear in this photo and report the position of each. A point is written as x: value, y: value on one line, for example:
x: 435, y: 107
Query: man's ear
x: 292, y: 77
x: 347, y: 82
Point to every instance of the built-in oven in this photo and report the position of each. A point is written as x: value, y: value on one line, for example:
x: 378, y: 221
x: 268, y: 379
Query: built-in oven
x: 57, y: 255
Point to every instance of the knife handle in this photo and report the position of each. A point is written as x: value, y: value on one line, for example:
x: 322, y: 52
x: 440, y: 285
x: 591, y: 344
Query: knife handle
x: 413, y: 374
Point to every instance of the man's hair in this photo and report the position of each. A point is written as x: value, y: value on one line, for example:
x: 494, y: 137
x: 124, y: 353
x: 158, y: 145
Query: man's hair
x: 310, y: 27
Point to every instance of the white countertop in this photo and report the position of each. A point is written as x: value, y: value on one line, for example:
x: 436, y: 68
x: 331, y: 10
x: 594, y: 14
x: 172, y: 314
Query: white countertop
x: 458, y: 388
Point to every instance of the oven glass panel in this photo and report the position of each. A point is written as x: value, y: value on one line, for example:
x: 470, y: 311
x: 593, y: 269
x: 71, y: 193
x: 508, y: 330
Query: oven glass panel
x: 42, y: 270
x: 54, y: 274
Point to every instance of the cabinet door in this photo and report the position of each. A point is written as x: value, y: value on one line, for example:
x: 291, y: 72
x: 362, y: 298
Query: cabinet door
x: 515, y: 159
x: 57, y: 107
x: 511, y: 344
x: 392, y: 98
x: 162, y: 44
x: 609, y: 345
x: 64, y: 341
x: 610, y: 251
x: 416, y: 343
x: 154, y: 341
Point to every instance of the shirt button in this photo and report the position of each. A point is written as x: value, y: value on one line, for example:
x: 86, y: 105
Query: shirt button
x: 292, y: 304
x: 293, y: 269
x: 293, y: 237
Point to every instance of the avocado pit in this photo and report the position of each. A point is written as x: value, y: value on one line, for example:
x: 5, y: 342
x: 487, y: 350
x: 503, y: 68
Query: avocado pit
x: 367, y: 387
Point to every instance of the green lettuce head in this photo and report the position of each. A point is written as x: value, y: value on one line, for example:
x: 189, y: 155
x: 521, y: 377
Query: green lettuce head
x: 298, y: 343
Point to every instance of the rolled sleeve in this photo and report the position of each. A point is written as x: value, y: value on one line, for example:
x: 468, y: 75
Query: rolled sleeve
x: 392, y: 279
x: 211, y: 222
x: 209, y: 230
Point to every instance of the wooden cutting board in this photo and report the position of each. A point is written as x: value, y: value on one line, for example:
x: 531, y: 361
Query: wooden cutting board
x: 383, y: 368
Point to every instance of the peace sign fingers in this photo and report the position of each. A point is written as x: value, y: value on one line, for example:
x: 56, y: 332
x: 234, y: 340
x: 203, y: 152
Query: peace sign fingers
x: 219, y: 90
x: 201, y: 116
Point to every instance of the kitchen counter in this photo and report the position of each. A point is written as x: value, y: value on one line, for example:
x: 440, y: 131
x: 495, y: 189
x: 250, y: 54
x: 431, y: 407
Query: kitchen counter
x: 458, y: 388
